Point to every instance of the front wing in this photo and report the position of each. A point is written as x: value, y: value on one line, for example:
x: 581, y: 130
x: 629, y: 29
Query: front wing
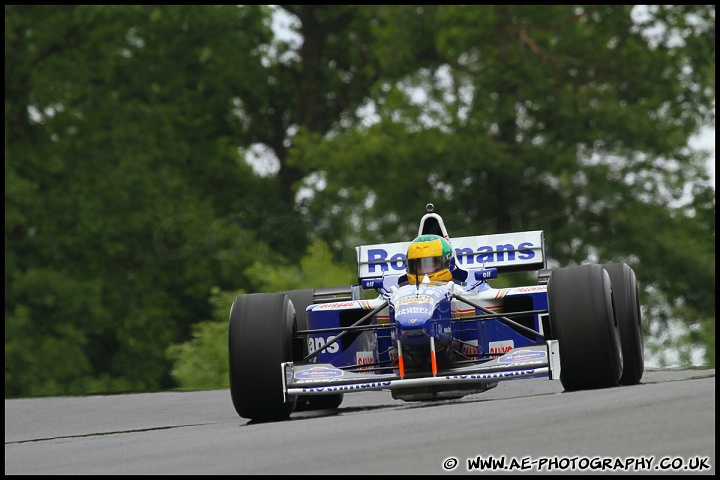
x: 540, y: 360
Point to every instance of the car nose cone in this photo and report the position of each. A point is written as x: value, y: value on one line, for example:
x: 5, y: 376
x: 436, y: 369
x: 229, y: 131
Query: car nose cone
x: 414, y: 328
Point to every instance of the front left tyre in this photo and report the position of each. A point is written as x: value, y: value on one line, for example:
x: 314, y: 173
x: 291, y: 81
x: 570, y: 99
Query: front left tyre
x: 583, y: 320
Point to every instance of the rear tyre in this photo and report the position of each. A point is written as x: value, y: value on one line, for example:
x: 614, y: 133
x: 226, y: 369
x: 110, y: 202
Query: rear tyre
x: 260, y: 339
x: 583, y: 320
x: 301, y: 299
x: 625, y: 291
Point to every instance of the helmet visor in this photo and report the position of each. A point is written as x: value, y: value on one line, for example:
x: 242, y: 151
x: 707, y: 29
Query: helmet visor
x: 425, y: 266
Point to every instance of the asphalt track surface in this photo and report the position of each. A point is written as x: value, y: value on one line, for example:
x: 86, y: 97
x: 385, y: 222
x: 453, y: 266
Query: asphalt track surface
x: 667, y: 421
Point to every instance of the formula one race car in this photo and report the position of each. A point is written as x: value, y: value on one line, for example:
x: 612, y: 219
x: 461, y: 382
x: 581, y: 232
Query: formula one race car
x: 436, y: 328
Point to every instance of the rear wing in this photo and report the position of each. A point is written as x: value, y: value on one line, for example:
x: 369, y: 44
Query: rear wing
x: 508, y: 252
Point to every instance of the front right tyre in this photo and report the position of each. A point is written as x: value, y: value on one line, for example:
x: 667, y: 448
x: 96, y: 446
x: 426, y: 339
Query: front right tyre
x: 301, y: 299
x: 259, y: 340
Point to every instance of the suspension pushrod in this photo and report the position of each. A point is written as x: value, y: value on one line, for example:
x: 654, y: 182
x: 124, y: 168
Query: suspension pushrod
x: 502, y: 317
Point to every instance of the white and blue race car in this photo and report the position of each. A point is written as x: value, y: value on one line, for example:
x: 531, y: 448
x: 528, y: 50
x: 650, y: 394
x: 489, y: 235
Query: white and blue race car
x: 426, y: 337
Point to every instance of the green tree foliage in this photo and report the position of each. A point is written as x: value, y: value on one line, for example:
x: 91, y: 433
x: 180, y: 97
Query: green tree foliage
x: 572, y: 119
x: 202, y: 362
x: 128, y: 198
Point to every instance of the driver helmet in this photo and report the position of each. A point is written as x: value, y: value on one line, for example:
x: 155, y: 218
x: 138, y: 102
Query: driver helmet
x: 430, y: 255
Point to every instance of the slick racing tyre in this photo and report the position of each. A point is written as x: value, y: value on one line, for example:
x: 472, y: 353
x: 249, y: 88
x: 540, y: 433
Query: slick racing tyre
x: 301, y: 299
x: 627, y: 305
x: 260, y: 339
x: 583, y: 320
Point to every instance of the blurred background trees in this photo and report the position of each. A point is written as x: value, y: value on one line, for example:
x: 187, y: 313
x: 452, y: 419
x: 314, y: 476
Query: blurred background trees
x: 160, y: 160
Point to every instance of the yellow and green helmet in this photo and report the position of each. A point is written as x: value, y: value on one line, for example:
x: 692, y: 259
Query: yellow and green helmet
x: 429, y: 255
